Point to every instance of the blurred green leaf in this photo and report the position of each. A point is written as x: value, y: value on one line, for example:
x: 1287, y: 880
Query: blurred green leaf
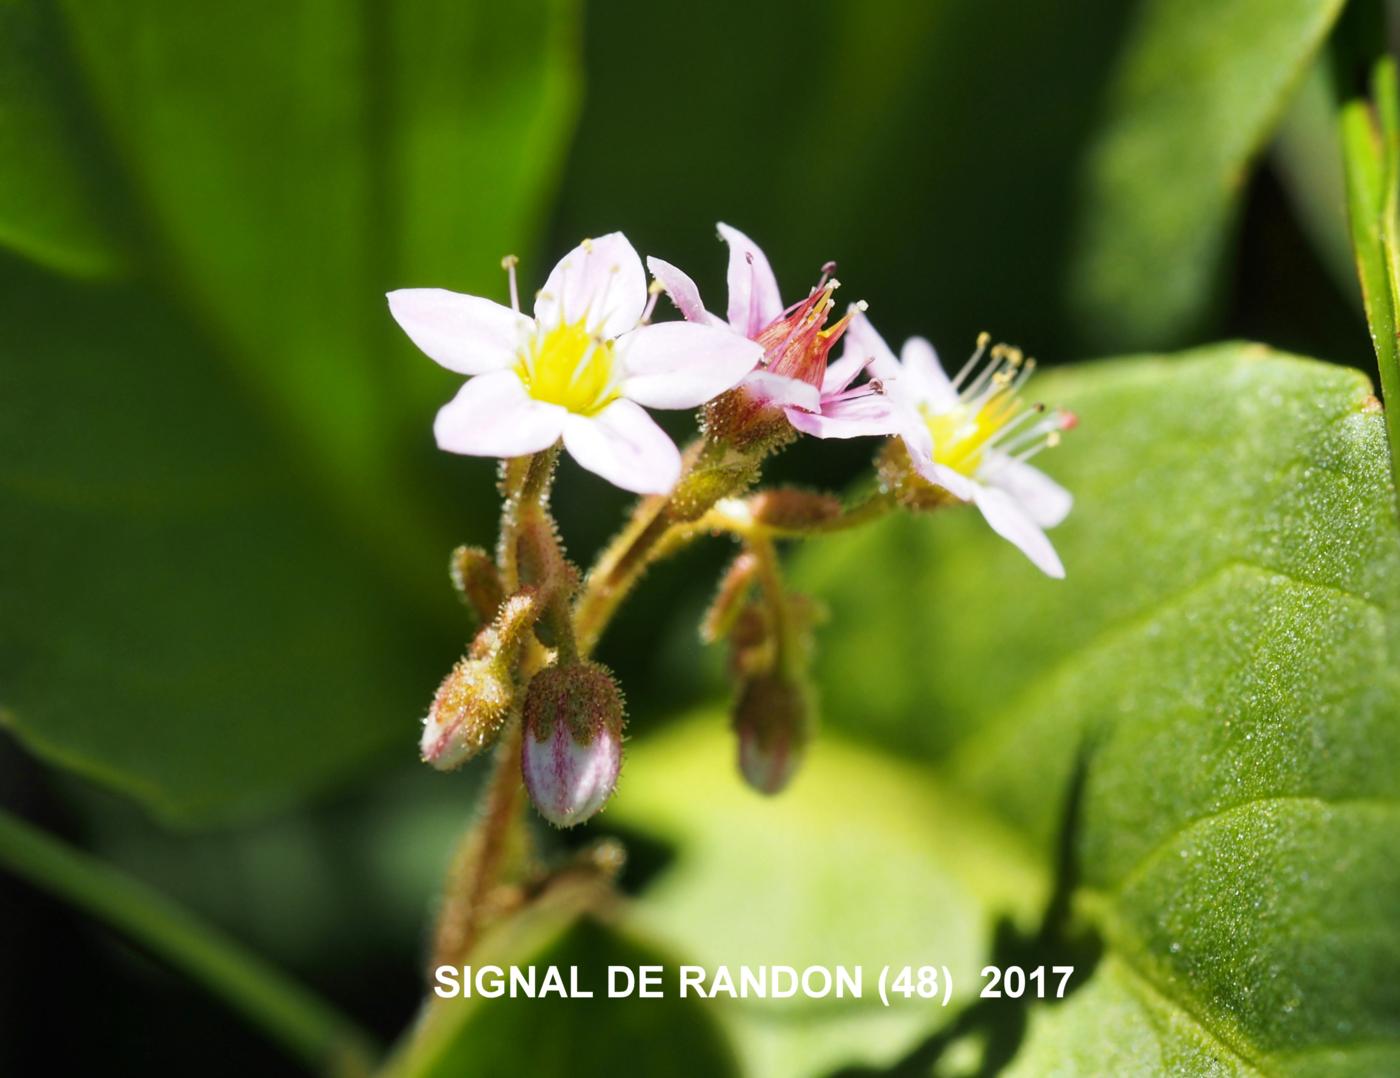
x: 1218, y: 679
x: 862, y: 862
x: 213, y: 472
x: 598, y: 1036
x: 185, y: 621
x: 1198, y: 87
x: 292, y: 162
x: 1307, y: 157
x: 965, y: 175
x: 51, y: 203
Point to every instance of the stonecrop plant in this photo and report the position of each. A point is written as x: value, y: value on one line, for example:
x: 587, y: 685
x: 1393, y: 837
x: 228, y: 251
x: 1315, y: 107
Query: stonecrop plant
x: 579, y: 376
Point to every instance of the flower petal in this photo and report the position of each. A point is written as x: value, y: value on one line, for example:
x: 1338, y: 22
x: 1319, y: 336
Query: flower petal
x: 600, y: 281
x: 940, y: 475
x: 625, y: 446
x: 863, y: 345
x: 1043, y: 499
x: 869, y: 415
x: 754, y: 299
x: 466, y: 334
x: 924, y: 377
x: 493, y: 416
x: 684, y: 292
x: 681, y: 365
x: 1010, y: 521
x: 781, y: 390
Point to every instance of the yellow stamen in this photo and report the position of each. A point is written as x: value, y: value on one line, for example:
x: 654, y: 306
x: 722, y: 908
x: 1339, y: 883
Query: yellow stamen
x: 569, y: 367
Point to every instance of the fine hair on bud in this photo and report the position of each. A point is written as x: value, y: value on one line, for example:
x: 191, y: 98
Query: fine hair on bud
x: 773, y: 721
x: 572, y: 750
x: 475, y: 699
x: 468, y: 711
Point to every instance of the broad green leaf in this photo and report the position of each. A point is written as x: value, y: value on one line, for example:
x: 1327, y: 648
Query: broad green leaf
x: 602, y: 1036
x: 183, y: 616
x: 214, y: 473
x: 965, y: 175
x: 1194, y: 96
x: 298, y: 160
x: 1219, y: 669
x: 862, y: 862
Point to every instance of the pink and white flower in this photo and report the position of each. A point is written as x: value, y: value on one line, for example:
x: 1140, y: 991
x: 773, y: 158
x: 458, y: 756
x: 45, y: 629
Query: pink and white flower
x: 817, y: 399
x: 581, y: 369
x: 973, y: 434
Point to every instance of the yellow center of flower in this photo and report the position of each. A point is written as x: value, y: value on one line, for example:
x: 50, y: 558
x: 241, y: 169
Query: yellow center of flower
x: 570, y: 367
x: 961, y: 436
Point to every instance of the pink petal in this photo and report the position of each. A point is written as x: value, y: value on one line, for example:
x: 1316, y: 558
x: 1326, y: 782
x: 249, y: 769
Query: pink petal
x: 684, y: 292
x: 681, y: 365
x: 1043, y: 499
x: 864, y: 345
x: 493, y: 416
x: 1009, y: 521
x: 781, y: 390
x: 754, y: 300
x: 625, y: 446
x: 600, y: 281
x: 842, y: 373
x: 869, y: 415
x: 466, y: 334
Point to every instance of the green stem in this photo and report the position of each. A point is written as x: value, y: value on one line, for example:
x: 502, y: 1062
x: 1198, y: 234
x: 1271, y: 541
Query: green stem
x: 302, y: 1023
x: 1368, y: 110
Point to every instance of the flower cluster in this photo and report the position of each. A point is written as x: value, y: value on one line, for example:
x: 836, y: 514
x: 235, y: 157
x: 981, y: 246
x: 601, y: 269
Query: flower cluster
x: 579, y: 375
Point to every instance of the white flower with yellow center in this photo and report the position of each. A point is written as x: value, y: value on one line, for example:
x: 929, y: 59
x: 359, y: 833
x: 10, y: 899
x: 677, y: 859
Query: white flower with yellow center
x: 973, y: 434
x: 581, y: 369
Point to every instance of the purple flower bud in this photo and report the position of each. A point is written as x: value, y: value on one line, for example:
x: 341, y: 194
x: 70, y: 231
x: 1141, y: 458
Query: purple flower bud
x: 573, y: 741
x: 773, y: 721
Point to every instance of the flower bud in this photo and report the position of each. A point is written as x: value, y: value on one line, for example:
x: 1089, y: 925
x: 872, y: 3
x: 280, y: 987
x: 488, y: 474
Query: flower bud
x: 477, y: 582
x: 790, y: 509
x: 572, y: 750
x: 470, y: 707
x: 728, y: 603
x: 474, y: 700
x: 773, y: 721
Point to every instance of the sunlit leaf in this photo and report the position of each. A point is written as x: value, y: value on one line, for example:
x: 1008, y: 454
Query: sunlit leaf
x: 1216, y: 680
